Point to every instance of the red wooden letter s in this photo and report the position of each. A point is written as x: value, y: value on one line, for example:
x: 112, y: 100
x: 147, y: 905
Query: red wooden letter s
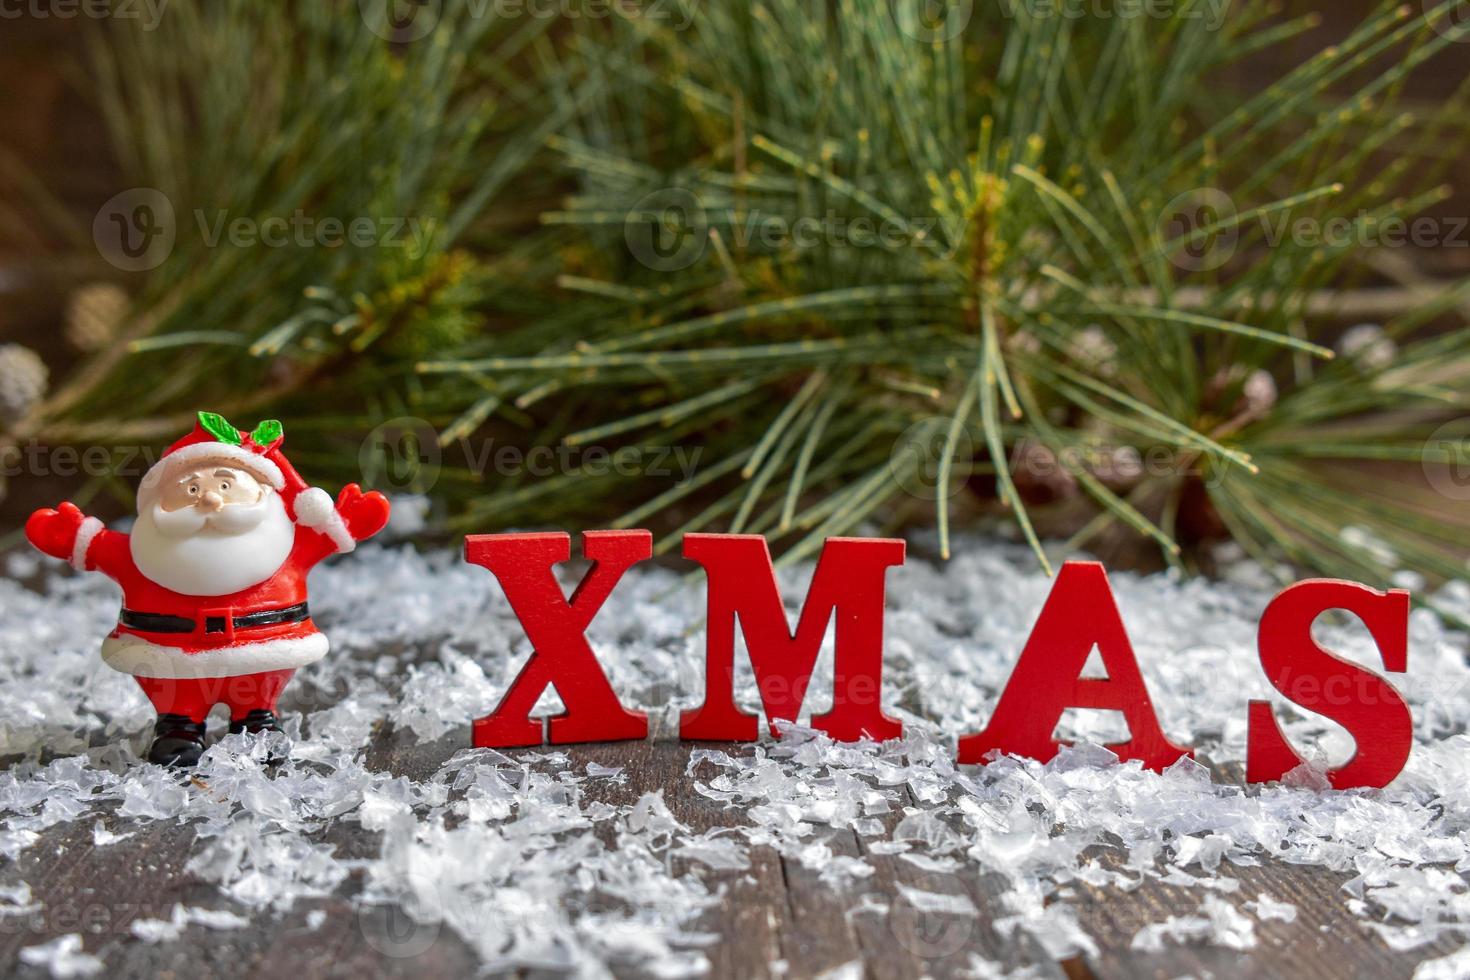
x: 848, y: 584
x: 1357, y: 699
x: 556, y: 626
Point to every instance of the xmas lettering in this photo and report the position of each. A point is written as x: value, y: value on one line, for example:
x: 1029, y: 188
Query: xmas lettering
x: 847, y: 586
x: 214, y: 582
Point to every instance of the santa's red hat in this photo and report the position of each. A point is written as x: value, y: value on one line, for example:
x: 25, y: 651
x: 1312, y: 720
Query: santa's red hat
x: 258, y: 452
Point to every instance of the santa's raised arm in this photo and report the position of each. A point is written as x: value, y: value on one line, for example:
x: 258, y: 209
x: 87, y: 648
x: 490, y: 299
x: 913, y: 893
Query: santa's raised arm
x: 214, y: 576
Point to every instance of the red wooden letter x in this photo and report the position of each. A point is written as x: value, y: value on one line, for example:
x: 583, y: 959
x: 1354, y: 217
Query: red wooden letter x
x: 555, y: 626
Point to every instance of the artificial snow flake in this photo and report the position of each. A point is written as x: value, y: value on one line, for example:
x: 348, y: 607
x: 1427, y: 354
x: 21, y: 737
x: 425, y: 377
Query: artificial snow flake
x: 16, y: 900
x: 1221, y: 924
x: 62, y: 957
x: 101, y: 836
x: 167, y: 930
x: 926, y: 901
x: 1455, y: 966
x: 1267, y: 909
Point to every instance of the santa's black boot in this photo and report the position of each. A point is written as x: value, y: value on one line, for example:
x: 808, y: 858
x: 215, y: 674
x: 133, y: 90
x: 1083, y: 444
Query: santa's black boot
x: 255, y: 722
x: 177, y: 741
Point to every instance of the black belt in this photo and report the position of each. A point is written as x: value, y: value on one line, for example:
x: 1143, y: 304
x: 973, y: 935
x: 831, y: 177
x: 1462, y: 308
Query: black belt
x: 162, y: 623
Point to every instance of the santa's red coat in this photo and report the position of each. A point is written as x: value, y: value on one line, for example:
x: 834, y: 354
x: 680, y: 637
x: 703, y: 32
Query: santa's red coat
x: 235, y: 650
x: 199, y: 654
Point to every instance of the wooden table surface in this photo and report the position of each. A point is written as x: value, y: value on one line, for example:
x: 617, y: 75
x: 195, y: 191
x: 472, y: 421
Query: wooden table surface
x: 776, y: 911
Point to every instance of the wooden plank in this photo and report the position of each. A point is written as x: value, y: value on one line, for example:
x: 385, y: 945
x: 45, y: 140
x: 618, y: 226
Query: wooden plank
x: 755, y: 920
x: 909, y: 941
x: 780, y: 910
x: 356, y: 940
x: 753, y: 915
x: 774, y: 911
x: 819, y: 937
x: 100, y: 891
x: 1325, y: 942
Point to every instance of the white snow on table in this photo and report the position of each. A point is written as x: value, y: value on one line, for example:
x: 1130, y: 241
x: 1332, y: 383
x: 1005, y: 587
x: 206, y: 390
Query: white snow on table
x: 516, y: 858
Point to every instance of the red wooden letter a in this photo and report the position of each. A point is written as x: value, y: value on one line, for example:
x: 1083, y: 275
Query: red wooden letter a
x: 1079, y: 614
x: 847, y: 584
x: 555, y: 626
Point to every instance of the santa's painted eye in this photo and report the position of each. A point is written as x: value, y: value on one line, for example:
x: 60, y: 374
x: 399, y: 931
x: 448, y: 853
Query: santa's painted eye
x: 225, y: 485
x: 194, y: 491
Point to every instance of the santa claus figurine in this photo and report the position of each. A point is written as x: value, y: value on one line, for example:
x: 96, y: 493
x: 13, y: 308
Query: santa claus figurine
x: 214, y: 577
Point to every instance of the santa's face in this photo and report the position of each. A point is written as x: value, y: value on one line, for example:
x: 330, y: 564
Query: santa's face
x: 212, y: 529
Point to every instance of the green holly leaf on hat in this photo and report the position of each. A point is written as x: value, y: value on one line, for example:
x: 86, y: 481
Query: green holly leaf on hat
x: 267, y: 432
x: 216, y: 426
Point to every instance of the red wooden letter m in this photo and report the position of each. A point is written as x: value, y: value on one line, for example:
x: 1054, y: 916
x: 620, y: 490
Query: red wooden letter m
x: 848, y: 585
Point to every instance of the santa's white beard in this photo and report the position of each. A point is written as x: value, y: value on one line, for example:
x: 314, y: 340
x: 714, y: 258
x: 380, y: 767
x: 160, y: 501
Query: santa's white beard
x: 194, y: 553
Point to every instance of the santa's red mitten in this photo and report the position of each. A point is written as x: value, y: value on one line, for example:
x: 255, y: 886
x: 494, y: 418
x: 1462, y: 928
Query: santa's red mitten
x: 365, y: 514
x: 55, y: 531
x: 356, y: 516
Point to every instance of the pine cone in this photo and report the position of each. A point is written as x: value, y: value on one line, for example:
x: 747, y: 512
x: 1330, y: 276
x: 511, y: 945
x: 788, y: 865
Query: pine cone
x: 1094, y: 351
x: 1257, y: 395
x: 94, y: 314
x: 22, y: 381
x: 1368, y: 346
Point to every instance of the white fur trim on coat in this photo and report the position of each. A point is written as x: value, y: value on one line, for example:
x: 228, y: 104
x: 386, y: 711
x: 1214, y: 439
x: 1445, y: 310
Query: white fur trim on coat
x: 131, y: 654
x: 86, y: 534
x: 314, y: 508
